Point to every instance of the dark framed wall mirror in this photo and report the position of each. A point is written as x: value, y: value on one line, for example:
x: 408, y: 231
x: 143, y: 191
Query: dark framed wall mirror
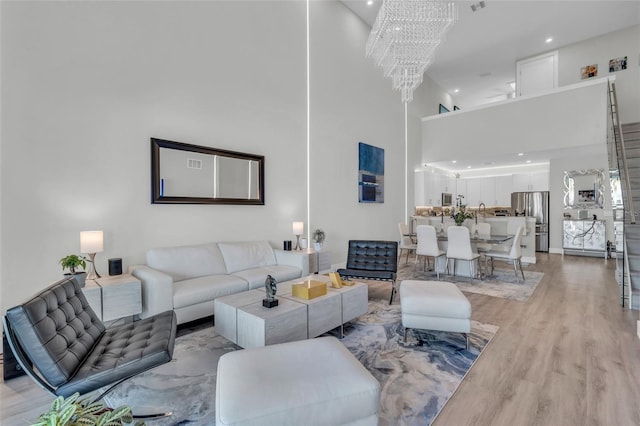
x: 182, y: 173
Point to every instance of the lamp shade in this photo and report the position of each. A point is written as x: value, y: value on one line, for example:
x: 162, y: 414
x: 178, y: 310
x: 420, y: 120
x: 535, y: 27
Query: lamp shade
x: 91, y: 242
x: 298, y: 228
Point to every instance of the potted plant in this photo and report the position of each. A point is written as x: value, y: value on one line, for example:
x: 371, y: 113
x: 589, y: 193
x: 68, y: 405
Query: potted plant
x: 73, y: 262
x: 71, y: 412
x: 318, y: 239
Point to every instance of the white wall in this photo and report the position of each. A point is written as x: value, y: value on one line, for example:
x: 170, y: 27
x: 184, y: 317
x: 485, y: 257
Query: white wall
x: 600, y: 50
x: 565, y: 119
x: 87, y: 84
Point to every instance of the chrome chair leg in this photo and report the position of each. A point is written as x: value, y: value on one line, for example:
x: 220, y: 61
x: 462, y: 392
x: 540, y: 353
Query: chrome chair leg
x: 515, y: 269
x: 521, y: 271
x: 405, y: 335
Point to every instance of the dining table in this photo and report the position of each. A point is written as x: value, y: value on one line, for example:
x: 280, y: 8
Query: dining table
x: 475, y: 238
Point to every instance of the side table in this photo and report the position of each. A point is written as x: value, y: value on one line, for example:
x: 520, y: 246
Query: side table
x: 319, y: 261
x: 121, y: 296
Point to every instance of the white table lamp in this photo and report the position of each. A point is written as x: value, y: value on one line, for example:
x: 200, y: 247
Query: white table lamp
x: 298, y: 229
x: 92, y: 242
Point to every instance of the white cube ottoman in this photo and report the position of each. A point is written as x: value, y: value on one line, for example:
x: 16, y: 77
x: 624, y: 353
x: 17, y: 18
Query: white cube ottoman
x: 307, y: 382
x: 434, y: 305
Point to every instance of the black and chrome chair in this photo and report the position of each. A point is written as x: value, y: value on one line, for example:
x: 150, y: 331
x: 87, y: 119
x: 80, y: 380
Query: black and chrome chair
x: 62, y: 345
x: 372, y: 260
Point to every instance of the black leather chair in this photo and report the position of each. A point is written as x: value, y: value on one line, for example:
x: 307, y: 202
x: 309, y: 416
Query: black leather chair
x: 372, y: 260
x: 63, y: 346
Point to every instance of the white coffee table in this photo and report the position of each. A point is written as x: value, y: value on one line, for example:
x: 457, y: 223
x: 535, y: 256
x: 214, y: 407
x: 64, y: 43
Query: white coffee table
x: 242, y: 319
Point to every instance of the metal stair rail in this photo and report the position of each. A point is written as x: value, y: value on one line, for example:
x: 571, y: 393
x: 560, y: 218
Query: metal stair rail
x: 622, y: 165
x: 621, y: 191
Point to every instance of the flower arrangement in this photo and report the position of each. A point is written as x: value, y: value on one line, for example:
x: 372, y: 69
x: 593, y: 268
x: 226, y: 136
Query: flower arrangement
x: 460, y: 214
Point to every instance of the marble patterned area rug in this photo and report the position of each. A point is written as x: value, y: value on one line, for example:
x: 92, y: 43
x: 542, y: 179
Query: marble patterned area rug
x: 502, y: 284
x: 416, y: 379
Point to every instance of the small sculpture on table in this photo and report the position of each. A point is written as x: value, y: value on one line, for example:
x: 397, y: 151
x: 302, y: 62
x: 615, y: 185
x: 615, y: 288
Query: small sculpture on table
x: 270, y: 288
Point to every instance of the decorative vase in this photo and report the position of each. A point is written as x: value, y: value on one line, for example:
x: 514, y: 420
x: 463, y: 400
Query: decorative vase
x: 317, y: 246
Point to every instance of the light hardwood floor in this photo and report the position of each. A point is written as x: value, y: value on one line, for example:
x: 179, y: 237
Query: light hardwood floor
x: 568, y: 356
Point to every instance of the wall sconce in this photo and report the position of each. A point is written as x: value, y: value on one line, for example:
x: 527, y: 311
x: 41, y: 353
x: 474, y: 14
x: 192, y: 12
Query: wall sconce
x: 92, y: 242
x: 298, y: 229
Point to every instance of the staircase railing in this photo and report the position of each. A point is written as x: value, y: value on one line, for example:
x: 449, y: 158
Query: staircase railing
x: 618, y: 132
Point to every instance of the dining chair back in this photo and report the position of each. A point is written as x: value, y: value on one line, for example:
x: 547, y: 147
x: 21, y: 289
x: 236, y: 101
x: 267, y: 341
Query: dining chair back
x: 428, y: 246
x: 459, y: 248
x: 514, y: 254
x: 482, y: 228
x: 406, y: 243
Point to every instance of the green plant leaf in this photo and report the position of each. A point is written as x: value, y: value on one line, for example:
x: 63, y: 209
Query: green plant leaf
x: 93, y: 408
x: 66, y: 414
x: 57, y: 403
x: 120, y: 412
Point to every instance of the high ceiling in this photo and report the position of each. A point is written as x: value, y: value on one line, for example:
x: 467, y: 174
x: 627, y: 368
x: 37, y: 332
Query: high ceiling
x: 479, y: 54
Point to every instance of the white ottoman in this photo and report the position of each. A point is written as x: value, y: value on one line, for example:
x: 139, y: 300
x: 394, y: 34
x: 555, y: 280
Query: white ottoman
x: 434, y: 305
x: 307, y: 382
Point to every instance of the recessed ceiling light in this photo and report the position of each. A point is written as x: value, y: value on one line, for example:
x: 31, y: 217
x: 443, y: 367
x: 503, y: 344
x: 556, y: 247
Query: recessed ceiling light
x: 456, y: 90
x: 528, y: 161
x: 370, y: 2
x: 397, y: 28
x: 549, y: 40
x: 468, y: 167
x: 520, y: 154
x: 454, y: 161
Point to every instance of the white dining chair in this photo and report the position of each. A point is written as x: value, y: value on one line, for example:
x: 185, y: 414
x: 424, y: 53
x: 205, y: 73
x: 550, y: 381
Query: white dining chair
x: 482, y: 229
x: 514, y: 255
x: 459, y: 248
x: 405, y: 243
x: 428, y: 247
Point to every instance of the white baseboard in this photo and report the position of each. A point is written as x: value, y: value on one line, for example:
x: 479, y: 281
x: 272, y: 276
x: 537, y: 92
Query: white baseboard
x: 556, y: 251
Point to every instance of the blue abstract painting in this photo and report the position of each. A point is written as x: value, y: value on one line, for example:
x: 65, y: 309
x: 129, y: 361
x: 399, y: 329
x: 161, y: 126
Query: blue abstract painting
x: 371, y: 174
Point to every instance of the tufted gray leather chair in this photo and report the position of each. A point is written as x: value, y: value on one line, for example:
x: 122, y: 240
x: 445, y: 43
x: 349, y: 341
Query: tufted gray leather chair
x: 372, y: 260
x: 60, y: 342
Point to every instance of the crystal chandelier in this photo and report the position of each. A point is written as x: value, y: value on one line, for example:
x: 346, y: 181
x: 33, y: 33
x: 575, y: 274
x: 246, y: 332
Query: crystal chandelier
x: 404, y: 39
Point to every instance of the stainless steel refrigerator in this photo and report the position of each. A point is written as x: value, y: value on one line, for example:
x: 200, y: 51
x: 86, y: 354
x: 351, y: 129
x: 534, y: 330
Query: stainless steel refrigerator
x: 534, y: 204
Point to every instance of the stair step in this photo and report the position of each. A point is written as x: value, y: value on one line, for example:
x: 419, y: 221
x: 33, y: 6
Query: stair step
x: 631, y: 127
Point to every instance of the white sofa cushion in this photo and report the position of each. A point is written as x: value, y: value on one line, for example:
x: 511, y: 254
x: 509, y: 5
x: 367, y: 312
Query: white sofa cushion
x: 241, y: 256
x: 187, y: 262
x: 257, y: 276
x: 203, y: 289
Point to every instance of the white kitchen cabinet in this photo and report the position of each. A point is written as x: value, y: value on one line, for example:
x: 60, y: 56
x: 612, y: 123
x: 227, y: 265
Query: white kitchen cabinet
x: 461, y: 188
x: 419, y: 189
x: 539, y: 181
x: 504, y: 188
x: 523, y: 182
x: 520, y: 183
x: 488, y: 194
x: 474, y: 192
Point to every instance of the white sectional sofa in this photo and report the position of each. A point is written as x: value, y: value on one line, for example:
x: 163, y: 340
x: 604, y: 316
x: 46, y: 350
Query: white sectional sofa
x: 187, y: 279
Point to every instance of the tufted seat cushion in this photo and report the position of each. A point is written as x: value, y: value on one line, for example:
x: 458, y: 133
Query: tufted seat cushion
x: 74, y: 352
